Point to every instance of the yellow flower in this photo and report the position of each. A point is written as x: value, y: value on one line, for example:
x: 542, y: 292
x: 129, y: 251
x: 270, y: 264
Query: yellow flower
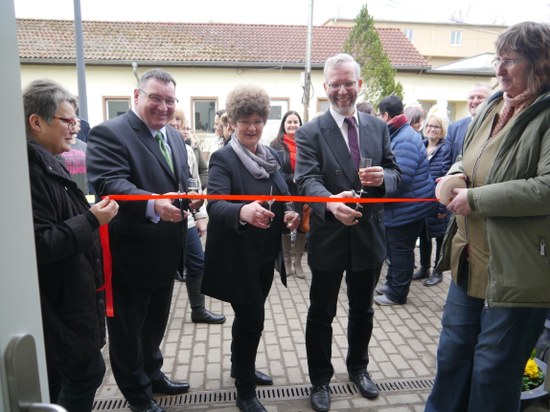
x: 532, y: 370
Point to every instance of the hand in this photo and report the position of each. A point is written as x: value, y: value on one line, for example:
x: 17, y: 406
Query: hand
x: 291, y: 220
x: 104, y: 210
x: 372, y: 176
x: 201, y: 226
x: 167, y: 211
x: 256, y: 215
x: 195, y: 204
x: 343, y: 213
x: 459, y: 204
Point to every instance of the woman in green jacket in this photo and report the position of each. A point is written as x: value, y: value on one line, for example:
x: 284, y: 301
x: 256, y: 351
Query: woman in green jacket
x: 496, y: 244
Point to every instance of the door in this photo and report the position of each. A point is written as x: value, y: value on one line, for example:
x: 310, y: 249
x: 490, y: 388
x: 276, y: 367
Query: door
x: 19, y: 298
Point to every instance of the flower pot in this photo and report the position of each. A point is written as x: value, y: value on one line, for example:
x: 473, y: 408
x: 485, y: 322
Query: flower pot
x: 539, y: 391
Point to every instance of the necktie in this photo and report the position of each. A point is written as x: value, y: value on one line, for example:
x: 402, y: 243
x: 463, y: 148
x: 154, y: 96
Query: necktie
x: 164, y: 150
x: 353, y: 141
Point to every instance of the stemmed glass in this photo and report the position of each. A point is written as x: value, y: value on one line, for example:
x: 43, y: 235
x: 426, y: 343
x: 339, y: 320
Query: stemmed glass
x: 364, y: 163
x: 269, y: 203
x: 193, y: 188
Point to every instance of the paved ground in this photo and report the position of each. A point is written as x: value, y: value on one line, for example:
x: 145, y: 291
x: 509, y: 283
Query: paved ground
x: 402, y: 354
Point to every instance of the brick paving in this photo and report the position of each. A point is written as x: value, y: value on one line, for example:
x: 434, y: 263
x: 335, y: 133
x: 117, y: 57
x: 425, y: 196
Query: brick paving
x: 403, y: 346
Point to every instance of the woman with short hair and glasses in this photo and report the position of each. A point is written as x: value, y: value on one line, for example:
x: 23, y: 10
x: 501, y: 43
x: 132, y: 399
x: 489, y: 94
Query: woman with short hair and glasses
x: 244, y: 236
x: 68, y: 252
x: 496, y: 243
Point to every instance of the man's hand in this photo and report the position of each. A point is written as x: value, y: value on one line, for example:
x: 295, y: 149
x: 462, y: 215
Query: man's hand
x: 167, y: 211
x: 372, y: 176
x: 342, y: 212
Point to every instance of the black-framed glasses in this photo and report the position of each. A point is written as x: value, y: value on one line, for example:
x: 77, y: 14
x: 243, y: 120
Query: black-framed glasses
x: 338, y: 86
x: 158, y: 99
x: 70, y: 122
x: 505, y: 63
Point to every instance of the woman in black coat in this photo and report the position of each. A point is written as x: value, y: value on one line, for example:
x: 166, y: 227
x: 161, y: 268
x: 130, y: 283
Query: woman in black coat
x: 67, y: 251
x: 244, y: 238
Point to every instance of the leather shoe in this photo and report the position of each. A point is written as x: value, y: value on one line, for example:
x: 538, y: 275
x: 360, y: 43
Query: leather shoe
x: 422, y: 273
x: 261, y: 378
x: 434, y: 279
x: 202, y: 315
x: 151, y: 406
x: 167, y: 387
x: 365, y: 385
x: 320, y: 398
x: 250, y: 405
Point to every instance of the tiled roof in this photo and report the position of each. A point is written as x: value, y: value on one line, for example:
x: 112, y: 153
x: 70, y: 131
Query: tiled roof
x: 197, y: 43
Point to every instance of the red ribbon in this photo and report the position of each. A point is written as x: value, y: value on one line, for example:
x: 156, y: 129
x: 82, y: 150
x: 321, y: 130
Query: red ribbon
x: 104, y: 229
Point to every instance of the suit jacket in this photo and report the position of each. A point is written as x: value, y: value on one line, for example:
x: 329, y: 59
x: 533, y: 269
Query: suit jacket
x: 455, y: 135
x: 123, y: 158
x: 234, y: 253
x: 324, y: 167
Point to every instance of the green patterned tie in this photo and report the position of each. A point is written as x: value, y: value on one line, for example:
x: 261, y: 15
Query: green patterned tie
x: 164, y: 150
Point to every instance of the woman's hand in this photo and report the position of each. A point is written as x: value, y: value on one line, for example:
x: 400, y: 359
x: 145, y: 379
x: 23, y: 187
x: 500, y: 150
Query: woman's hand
x: 291, y: 220
x: 459, y: 205
x: 256, y: 215
x: 104, y: 210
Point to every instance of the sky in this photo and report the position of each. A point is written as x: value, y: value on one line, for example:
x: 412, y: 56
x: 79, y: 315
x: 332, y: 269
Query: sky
x: 288, y: 11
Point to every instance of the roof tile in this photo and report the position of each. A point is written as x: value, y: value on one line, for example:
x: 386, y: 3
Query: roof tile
x: 198, y: 43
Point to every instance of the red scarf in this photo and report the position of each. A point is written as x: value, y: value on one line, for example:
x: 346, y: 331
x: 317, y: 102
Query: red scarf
x: 291, y: 144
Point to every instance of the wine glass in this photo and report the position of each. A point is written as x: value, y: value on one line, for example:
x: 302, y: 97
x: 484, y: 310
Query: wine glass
x: 364, y: 163
x: 193, y: 188
x: 269, y: 203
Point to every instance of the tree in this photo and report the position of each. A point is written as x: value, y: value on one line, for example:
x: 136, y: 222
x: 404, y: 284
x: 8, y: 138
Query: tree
x: 364, y: 45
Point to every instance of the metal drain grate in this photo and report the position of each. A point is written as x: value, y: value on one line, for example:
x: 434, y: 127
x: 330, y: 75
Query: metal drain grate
x: 337, y: 390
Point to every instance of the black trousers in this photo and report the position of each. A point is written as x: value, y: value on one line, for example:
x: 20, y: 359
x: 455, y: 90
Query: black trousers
x: 135, y: 335
x: 246, y: 332
x: 323, y: 296
x: 74, y: 387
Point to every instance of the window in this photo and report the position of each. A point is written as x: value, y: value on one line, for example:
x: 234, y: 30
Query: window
x: 409, y: 33
x: 322, y: 105
x: 115, y: 106
x: 456, y: 38
x: 204, y: 110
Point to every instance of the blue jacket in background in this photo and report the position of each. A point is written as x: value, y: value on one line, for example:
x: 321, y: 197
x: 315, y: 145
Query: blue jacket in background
x: 440, y: 162
x: 416, y: 182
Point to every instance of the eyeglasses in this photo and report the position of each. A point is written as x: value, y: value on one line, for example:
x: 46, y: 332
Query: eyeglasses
x: 505, y: 63
x: 338, y: 86
x: 157, y: 99
x: 247, y: 123
x: 433, y: 126
x: 69, y: 121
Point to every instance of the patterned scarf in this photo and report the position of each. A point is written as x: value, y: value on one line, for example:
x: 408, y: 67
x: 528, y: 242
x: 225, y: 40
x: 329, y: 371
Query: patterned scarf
x: 512, y: 106
x: 291, y: 144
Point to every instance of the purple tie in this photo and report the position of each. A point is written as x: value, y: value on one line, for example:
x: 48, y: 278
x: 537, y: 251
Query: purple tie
x: 353, y: 140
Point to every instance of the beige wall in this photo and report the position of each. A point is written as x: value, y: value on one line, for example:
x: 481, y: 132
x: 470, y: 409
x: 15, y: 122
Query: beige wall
x: 215, y: 83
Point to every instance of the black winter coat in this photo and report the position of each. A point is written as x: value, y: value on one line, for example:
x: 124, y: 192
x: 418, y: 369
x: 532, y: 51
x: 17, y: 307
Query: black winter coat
x: 69, y: 262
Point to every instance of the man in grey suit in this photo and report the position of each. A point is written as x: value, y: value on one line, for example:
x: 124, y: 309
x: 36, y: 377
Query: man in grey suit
x: 343, y: 237
x: 457, y: 130
x: 137, y: 154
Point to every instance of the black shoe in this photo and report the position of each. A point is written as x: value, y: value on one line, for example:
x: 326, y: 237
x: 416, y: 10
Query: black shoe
x: 201, y: 315
x: 422, y: 273
x: 167, y: 387
x: 151, y: 406
x: 434, y: 279
x: 365, y: 385
x: 250, y: 405
x: 261, y: 378
x: 320, y: 398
